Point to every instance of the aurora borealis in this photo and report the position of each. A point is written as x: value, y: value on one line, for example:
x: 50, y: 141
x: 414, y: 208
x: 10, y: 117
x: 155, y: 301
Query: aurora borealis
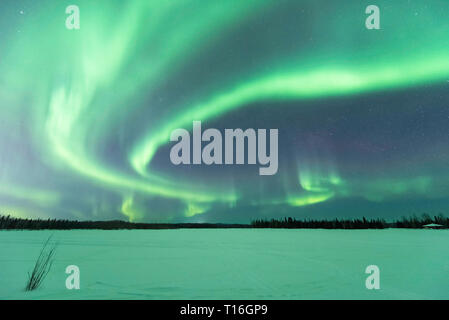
x: 86, y: 115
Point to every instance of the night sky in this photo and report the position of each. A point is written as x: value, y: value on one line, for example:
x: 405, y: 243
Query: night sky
x: 86, y: 115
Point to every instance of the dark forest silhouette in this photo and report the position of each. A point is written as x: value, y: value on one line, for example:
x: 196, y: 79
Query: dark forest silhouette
x: 361, y: 223
x: 11, y: 223
x: 291, y: 223
x: 8, y: 222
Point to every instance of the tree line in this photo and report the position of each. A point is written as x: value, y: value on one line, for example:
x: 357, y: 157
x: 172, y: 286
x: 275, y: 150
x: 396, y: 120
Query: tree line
x: 292, y: 223
x: 8, y: 223
x: 11, y: 223
x: 413, y: 222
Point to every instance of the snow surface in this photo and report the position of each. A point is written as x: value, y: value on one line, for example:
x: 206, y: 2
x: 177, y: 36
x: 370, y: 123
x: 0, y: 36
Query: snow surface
x: 231, y: 264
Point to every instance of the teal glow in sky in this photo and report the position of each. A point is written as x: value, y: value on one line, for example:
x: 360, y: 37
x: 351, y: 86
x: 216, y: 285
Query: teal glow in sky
x: 86, y: 115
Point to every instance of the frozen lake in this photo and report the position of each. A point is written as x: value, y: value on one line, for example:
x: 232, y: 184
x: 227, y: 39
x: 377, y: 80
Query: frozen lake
x: 231, y: 264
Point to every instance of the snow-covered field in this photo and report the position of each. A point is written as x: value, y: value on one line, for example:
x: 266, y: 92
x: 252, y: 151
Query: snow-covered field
x: 231, y: 264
